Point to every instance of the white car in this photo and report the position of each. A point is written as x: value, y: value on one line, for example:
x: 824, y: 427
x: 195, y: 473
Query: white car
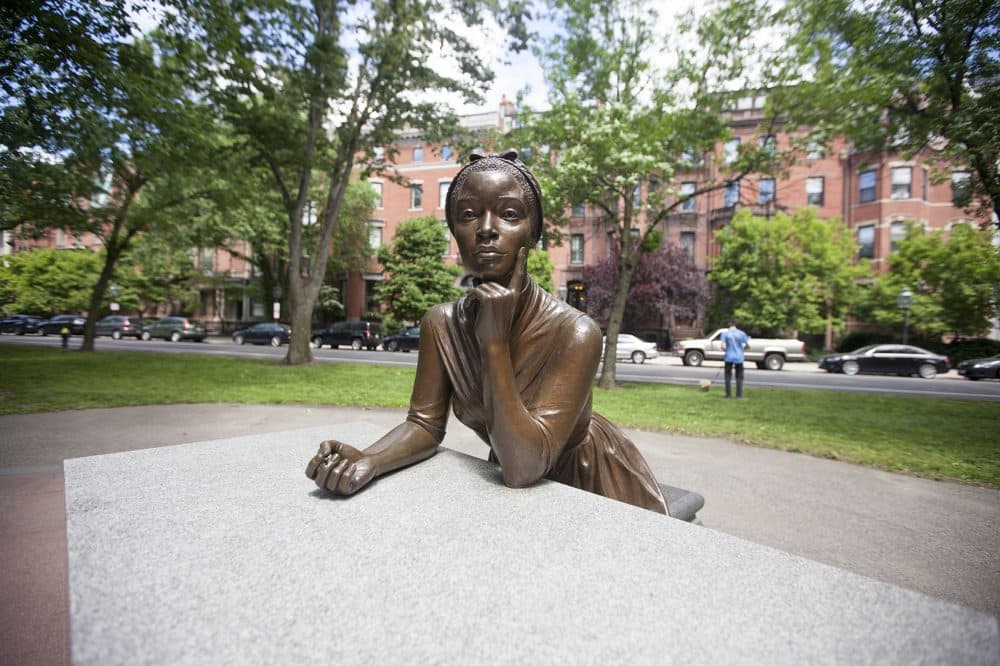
x: 632, y: 348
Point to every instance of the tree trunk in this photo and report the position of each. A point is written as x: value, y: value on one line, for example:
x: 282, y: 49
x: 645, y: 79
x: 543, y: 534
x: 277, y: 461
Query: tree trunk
x: 828, y: 337
x: 301, y: 300
x: 96, y: 298
x: 626, y: 268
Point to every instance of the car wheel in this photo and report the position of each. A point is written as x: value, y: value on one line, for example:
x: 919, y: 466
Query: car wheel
x: 175, y: 336
x: 317, y: 342
x: 238, y: 339
x: 638, y: 357
x: 19, y: 331
x: 927, y: 371
x: 392, y: 346
x: 850, y: 368
x: 693, y: 357
x: 275, y: 341
x: 774, y: 362
x: 146, y: 335
x: 116, y: 335
x: 356, y: 344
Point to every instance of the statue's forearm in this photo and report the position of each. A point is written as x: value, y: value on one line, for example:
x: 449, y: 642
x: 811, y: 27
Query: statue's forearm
x: 404, y: 445
x: 516, y: 438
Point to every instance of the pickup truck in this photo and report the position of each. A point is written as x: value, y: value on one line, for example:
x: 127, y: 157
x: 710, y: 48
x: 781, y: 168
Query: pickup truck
x: 765, y: 352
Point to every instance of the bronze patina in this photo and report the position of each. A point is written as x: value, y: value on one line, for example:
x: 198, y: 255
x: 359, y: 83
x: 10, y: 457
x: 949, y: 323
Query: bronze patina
x: 514, y: 363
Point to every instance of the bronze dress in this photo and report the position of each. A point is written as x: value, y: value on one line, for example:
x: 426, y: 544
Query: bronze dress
x: 596, y: 456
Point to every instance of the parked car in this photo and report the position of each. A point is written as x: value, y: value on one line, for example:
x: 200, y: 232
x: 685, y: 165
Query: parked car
x: 632, y: 348
x: 119, y: 326
x: 74, y: 323
x: 20, y: 324
x: 358, y: 334
x: 175, y: 329
x: 980, y: 368
x: 264, y: 333
x: 403, y: 341
x: 887, y: 360
x: 767, y: 353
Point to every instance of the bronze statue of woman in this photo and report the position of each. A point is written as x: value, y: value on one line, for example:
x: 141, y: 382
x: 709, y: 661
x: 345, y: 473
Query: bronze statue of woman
x: 515, y: 364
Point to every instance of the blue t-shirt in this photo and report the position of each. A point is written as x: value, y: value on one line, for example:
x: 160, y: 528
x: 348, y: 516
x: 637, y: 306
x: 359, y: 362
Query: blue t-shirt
x: 734, y: 339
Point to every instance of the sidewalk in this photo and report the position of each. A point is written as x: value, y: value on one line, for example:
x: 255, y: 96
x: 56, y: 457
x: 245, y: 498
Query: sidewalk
x: 941, y: 539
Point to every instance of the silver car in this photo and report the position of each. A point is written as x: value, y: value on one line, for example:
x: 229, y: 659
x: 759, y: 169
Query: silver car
x: 633, y: 349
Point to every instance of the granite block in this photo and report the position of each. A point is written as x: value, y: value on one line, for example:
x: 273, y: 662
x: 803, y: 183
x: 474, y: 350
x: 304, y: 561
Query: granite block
x: 224, y: 552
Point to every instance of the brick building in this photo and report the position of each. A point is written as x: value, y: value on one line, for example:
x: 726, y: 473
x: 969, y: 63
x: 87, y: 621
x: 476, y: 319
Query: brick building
x: 873, y: 194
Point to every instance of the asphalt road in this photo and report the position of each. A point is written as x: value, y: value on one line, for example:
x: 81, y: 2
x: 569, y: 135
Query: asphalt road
x: 666, y: 369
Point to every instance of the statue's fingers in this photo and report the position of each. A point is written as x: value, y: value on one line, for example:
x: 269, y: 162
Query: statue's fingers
x: 313, y: 466
x: 333, y: 480
x: 520, y: 273
x: 323, y: 472
x: 345, y: 486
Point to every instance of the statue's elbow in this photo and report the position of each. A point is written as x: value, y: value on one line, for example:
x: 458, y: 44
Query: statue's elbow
x: 521, y: 478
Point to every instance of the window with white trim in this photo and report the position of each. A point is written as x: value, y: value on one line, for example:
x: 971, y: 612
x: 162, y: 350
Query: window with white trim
x: 765, y: 191
x: 731, y: 193
x: 897, y: 234
x: 418, y: 154
x: 443, y: 193
x: 416, y: 196
x: 866, y: 186
x: 576, y: 249
x: 731, y: 150
x: 687, y: 190
x: 815, y: 186
x: 866, y: 241
x: 378, y: 193
x: 902, y: 180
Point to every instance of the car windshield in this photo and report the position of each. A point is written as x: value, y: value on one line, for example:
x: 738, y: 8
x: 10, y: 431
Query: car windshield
x: 865, y: 349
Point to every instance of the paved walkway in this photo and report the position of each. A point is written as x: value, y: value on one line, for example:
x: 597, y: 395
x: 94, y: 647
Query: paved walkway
x: 942, y: 539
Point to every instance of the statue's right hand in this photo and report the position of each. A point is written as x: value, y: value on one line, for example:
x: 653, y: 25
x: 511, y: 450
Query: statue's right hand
x: 340, y: 468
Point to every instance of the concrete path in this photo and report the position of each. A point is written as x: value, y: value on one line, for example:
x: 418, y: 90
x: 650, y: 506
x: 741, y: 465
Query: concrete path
x: 941, y: 539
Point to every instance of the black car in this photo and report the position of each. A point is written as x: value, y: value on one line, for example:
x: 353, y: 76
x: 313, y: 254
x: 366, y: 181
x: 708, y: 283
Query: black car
x: 358, y: 334
x: 980, y: 368
x: 264, y: 333
x: 403, y: 341
x: 20, y: 324
x: 887, y: 360
x: 54, y: 326
x: 119, y: 326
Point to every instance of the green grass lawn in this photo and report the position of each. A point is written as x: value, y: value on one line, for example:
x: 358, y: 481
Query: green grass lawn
x: 942, y: 439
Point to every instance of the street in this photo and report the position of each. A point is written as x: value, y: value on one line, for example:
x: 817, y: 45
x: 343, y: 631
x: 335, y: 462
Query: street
x: 667, y: 369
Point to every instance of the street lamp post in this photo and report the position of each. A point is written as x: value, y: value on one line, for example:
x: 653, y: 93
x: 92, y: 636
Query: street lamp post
x: 905, y: 301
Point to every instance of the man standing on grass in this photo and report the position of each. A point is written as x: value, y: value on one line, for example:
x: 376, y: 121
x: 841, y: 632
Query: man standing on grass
x: 734, y: 341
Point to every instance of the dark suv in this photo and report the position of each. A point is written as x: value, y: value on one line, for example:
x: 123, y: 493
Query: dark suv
x: 358, y: 334
x: 175, y: 329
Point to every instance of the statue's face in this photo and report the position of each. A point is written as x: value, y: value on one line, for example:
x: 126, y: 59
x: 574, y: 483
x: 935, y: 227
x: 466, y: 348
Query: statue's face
x: 492, y: 222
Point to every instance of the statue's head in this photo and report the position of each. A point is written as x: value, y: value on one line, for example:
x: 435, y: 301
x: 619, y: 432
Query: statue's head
x: 508, y: 163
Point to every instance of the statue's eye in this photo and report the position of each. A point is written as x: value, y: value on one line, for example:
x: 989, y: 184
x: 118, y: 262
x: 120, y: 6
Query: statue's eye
x: 510, y: 214
x: 469, y: 214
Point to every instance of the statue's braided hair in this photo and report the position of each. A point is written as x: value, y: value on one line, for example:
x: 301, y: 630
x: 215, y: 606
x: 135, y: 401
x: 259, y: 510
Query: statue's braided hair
x: 509, y: 163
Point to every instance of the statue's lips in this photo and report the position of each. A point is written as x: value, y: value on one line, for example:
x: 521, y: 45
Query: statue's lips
x: 489, y: 253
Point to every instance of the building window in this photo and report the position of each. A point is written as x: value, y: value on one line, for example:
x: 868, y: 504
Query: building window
x: 731, y: 151
x: 866, y: 186
x: 814, y: 190
x: 576, y: 249
x: 418, y: 154
x: 897, y: 234
x: 578, y: 210
x: 768, y: 143
x: 688, y: 203
x: 902, y: 178
x: 866, y: 242
x: 961, y: 189
x: 687, y: 242
x: 446, y: 152
x: 731, y: 193
x: 636, y: 195
x: 374, y: 235
x: 765, y: 195
x: 443, y: 194
x: 416, y: 196
x: 815, y: 150
x: 378, y: 194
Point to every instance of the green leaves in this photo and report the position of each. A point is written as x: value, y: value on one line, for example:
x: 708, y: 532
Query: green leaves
x: 786, y: 274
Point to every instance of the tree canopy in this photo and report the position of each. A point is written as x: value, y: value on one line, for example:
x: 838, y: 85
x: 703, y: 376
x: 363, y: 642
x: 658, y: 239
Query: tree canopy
x: 953, y: 280
x: 317, y: 92
x: 620, y: 131
x: 416, y: 278
x: 786, y: 274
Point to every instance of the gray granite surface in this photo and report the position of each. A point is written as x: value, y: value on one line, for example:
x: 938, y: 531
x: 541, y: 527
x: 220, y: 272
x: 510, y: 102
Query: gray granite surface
x: 223, y: 552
